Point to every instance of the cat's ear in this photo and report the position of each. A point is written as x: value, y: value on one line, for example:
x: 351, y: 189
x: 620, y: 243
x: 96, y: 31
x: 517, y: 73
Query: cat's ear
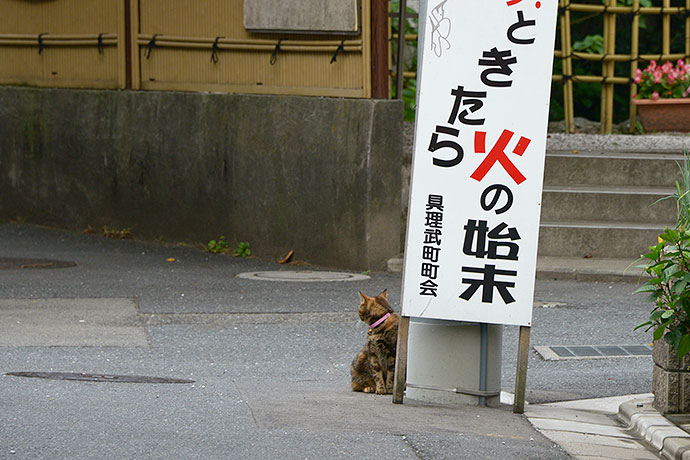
x: 364, y: 298
x: 384, y: 294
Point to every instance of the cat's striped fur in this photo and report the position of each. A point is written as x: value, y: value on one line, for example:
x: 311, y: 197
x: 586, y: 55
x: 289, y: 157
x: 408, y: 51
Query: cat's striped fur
x: 373, y: 368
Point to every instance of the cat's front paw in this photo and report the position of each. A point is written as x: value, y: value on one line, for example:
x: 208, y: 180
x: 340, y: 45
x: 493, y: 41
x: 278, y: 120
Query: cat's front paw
x: 381, y: 391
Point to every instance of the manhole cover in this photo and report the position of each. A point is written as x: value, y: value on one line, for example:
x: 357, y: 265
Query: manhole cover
x: 18, y: 262
x: 98, y: 377
x: 555, y: 353
x: 302, y: 276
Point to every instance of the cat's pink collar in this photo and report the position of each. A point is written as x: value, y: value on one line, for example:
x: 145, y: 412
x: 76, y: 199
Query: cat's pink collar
x: 382, y: 319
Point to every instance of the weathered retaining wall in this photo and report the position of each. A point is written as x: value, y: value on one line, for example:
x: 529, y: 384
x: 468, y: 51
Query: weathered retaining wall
x: 317, y: 175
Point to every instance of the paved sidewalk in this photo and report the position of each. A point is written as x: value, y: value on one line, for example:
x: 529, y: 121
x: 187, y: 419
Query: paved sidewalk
x: 592, y: 429
x: 269, y: 362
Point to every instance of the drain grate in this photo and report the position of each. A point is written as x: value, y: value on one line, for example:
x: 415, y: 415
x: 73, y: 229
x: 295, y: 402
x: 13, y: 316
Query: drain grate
x: 555, y: 353
x: 17, y: 262
x: 98, y: 377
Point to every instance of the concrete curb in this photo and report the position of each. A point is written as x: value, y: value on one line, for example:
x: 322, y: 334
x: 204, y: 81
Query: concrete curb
x: 662, y: 434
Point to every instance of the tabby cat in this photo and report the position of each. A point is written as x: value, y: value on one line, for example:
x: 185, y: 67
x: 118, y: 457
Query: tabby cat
x: 373, y: 368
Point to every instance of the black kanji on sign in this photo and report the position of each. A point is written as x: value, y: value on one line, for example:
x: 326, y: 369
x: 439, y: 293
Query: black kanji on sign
x: 430, y: 253
x: 476, y: 244
x: 428, y: 287
x: 473, y: 99
x: 434, y: 219
x: 430, y: 270
x: 434, y: 202
x: 498, y: 62
x: 432, y: 236
x: 435, y: 145
x: 521, y: 22
x: 488, y: 283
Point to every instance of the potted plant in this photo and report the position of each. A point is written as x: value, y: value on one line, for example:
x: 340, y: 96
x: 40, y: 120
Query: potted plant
x: 663, y: 97
x: 668, y: 287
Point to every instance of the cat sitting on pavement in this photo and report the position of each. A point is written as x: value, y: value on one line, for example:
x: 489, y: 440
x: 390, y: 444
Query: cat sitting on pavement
x: 373, y: 368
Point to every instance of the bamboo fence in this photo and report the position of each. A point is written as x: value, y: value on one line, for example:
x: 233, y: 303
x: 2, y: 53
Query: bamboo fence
x: 608, y: 59
x: 608, y: 78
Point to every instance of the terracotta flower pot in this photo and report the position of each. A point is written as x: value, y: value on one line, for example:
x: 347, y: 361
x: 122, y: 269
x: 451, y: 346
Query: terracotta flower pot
x: 664, y: 114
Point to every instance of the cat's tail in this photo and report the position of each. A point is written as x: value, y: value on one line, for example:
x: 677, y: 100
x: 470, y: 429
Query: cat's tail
x: 361, y: 378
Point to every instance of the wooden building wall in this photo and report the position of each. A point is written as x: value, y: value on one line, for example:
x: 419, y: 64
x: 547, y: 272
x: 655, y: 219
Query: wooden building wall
x: 188, y: 45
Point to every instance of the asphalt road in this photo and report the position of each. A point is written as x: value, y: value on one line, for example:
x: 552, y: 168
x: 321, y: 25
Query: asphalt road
x: 270, y: 360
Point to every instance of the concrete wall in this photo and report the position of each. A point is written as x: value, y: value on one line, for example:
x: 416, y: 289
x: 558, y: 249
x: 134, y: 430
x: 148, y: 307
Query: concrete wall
x: 320, y: 176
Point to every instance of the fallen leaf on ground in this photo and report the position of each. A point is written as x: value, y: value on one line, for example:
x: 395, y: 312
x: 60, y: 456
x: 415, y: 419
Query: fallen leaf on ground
x: 287, y: 258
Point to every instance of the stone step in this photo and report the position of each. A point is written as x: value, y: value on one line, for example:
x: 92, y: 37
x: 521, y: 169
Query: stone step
x: 609, y: 168
x: 571, y: 268
x: 608, y: 203
x: 597, y: 239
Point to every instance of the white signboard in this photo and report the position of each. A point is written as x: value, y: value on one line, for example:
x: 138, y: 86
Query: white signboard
x: 479, y: 160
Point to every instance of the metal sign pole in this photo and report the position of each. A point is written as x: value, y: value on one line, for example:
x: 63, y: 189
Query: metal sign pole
x: 483, y: 358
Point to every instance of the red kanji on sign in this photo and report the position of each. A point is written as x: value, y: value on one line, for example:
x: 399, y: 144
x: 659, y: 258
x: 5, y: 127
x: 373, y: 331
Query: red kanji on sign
x: 497, y: 154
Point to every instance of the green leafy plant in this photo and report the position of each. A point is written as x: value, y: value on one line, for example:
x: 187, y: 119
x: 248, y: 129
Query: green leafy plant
x: 590, y: 44
x: 115, y: 233
x: 218, y: 246
x: 409, y: 86
x: 242, y: 250
x: 668, y: 267
x: 409, y: 97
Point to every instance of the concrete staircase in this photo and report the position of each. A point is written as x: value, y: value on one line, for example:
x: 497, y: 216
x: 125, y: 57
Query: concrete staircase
x: 598, y: 212
x: 601, y: 205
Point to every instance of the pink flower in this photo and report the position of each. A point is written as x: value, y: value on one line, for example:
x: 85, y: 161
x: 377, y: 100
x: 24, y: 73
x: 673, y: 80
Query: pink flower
x: 657, y: 76
x: 666, y: 68
x: 655, y: 96
x: 680, y: 63
x: 637, y: 79
x: 652, y: 66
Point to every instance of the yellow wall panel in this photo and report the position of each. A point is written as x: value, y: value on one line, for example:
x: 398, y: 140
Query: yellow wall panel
x: 82, y: 64
x: 80, y: 16
x: 21, y: 17
x: 185, y: 31
x: 70, y: 55
x: 20, y: 65
x: 180, y: 57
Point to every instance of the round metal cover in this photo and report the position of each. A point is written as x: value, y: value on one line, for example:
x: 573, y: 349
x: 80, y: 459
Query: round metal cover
x: 21, y: 262
x: 302, y: 276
